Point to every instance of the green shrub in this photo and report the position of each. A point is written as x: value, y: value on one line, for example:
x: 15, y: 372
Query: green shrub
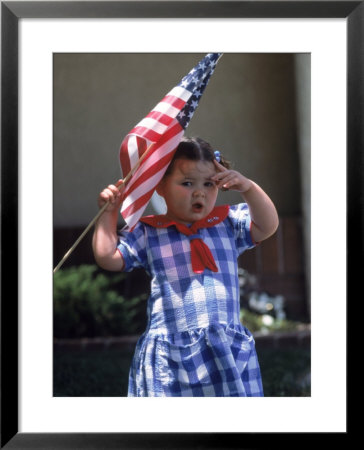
x: 87, y: 303
x: 260, y: 322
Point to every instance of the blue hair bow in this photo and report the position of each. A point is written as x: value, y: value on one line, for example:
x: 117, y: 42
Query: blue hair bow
x: 217, y: 155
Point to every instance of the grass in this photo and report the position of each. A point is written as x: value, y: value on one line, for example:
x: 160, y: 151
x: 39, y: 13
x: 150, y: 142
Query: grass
x: 104, y: 373
x: 91, y: 373
x: 285, y: 373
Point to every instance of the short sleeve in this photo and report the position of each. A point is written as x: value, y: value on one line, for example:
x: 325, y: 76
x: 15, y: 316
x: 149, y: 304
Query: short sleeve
x: 240, y: 219
x: 132, y: 246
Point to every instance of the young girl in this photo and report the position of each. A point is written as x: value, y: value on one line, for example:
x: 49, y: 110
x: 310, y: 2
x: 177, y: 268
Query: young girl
x: 194, y: 344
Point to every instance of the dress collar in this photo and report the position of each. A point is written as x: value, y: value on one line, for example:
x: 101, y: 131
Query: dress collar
x: 201, y: 256
x: 217, y: 215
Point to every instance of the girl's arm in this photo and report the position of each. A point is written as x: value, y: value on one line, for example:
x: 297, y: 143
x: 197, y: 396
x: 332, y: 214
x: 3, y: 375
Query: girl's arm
x: 262, y: 210
x: 105, y: 238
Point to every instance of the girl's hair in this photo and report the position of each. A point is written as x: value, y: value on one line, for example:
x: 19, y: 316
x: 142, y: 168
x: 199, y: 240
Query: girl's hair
x: 195, y: 149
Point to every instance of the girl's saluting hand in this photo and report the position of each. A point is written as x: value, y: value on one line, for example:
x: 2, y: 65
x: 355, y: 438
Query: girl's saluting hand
x: 230, y: 179
x: 262, y: 210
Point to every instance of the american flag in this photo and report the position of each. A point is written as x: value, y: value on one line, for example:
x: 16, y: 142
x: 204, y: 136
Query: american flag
x: 159, y: 133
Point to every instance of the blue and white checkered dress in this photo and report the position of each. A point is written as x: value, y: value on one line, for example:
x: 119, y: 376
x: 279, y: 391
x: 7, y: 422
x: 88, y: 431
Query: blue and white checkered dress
x: 194, y: 344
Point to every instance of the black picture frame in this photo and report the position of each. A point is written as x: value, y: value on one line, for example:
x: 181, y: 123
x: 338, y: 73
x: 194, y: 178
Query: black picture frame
x: 11, y: 13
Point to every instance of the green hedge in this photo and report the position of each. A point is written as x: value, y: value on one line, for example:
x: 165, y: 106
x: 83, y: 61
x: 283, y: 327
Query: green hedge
x: 88, y: 303
x: 257, y: 322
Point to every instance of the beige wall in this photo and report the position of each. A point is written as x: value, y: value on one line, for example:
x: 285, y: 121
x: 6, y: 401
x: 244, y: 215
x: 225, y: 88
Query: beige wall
x: 249, y: 111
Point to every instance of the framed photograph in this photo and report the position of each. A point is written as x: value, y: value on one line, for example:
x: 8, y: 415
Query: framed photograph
x: 31, y: 33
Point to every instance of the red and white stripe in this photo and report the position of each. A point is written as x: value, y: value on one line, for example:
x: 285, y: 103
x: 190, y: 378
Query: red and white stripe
x: 159, y: 133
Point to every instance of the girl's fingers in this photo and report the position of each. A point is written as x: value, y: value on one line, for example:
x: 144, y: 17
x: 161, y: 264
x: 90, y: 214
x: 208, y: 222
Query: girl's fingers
x: 111, y: 194
x: 219, y: 166
x: 120, y: 186
x: 228, y: 179
x: 222, y: 178
x: 113, y: 189
x: 106, y: 196
x: 119, y: 183
x: 229, y: 184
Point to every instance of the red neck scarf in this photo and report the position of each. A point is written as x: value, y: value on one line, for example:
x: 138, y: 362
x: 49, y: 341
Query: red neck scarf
x: 201, y: 256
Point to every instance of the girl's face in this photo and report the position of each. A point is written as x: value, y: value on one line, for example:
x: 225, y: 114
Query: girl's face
x: 188, y: 190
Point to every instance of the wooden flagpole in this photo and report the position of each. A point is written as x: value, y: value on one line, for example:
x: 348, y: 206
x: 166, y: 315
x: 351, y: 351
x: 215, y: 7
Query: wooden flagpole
x: 101, y: 211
